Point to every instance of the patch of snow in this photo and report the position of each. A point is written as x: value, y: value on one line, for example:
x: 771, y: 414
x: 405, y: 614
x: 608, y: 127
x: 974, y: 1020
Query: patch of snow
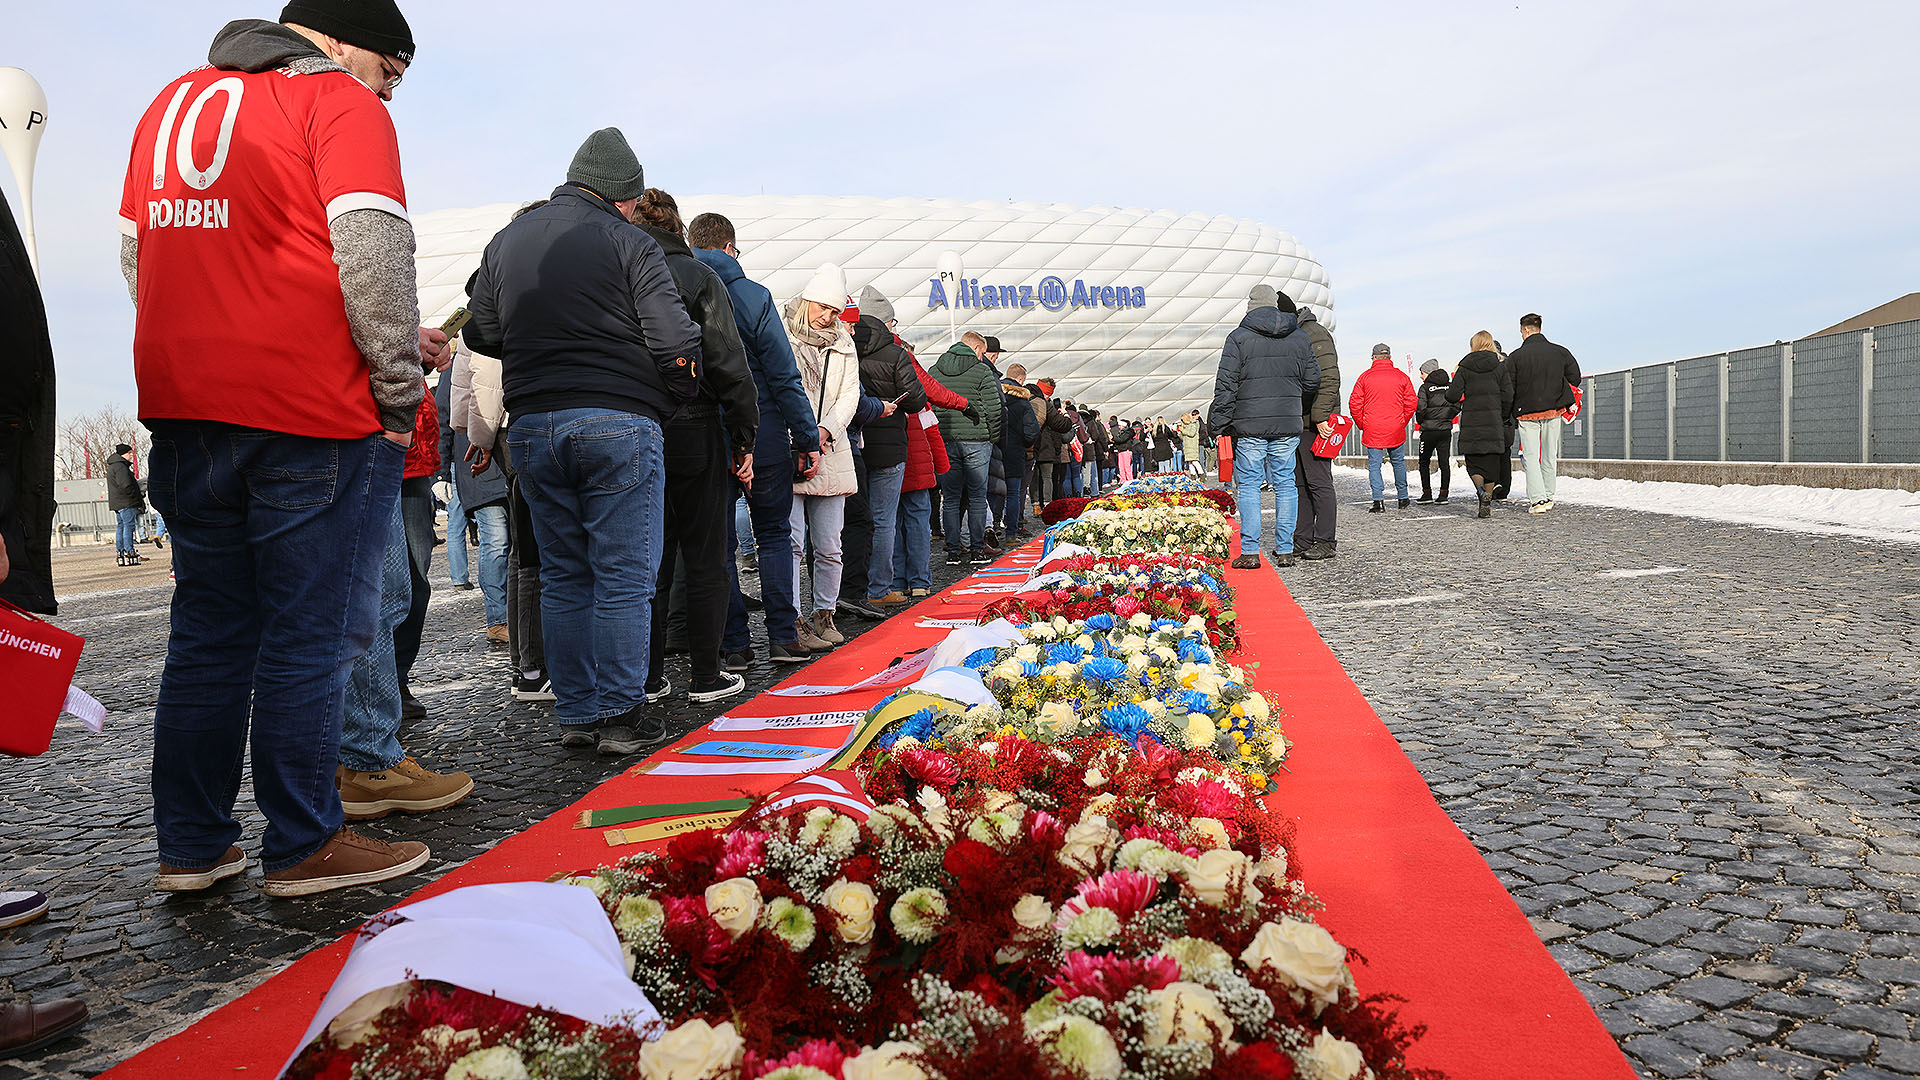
x: 1652, y: 571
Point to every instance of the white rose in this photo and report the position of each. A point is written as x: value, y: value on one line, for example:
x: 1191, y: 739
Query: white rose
x: 1304, y: 955
x: 692, y: 1051
x: 1219, y: 874
x: 1094, y: 778
x: 854, y: 904
x: 1027, y: 654
x: 888, y: 1061
x: 1057, y: 719
x: 1140, y: 620
x: 493, y: 1063
x: 734, y: 904
x: 1273, y: 867
x: 1080, y: 1044
x: 1210, y: 832
x: 1099, y: 806
x: 1006, y: 669
x: 1334, y: 1058
x: 1089, y: 844
x: 1185, y: 1012
x: 1033, y: 912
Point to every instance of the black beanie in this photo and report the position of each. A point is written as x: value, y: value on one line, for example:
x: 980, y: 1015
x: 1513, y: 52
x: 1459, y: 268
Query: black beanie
x: 376, y: 25
x: 123, y: 448
x: 1286, y: 303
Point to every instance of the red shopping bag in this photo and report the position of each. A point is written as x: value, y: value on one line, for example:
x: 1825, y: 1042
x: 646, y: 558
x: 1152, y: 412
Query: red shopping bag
x: 1328, y: 446
x: 1224, y: 446
x: 1571, y: 412
x: 37, y: 661
x: 1079, y: 454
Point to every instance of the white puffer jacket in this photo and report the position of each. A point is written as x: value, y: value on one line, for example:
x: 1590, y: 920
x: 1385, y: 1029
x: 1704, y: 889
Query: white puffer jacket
x: 838, y: 365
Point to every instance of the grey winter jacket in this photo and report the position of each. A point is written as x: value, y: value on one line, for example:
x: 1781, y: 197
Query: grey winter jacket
x: 1267, y: 380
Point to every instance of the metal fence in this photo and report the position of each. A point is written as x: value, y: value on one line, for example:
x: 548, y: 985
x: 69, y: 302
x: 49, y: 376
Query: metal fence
x: 1844, y: 398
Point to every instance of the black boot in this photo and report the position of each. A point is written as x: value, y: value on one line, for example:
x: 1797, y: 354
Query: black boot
x: 1442, y: 500
x: 1403, y: 504
x: 1379, y: 507
x: 1425, y: 497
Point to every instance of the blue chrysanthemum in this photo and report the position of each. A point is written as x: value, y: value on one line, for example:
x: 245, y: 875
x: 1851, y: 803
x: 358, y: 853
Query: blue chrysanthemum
x: 1100, y: 622
x: 1064, y: 652
x: 1104, y: 669
x: 1126, y: 721
x: 1029, y: 669
x: 1195, y: 701
x: 979, y: 658
x: 1162, y: 624
x: 919, y: 726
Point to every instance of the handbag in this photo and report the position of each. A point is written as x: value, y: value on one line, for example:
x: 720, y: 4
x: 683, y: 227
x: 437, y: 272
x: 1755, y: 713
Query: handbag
x: 37, y: 662
x: 1329, y: 445
x: 1572, y: 412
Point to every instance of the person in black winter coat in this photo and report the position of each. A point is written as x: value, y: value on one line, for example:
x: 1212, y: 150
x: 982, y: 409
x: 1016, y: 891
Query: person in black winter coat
x: 1544, y: 375
x: 1267, y: 381
x: 127, y: 502
x: 1435, y: 417
x: 26, y: 430
x: 709, y: 445
x: 887, y: 373
x: 1484, y: 392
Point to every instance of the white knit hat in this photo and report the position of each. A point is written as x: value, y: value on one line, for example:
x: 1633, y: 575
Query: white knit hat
x: 827, y: 286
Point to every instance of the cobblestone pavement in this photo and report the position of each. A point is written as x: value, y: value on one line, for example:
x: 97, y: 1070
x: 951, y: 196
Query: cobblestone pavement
x: 77, y: 822
x: 1687, y: 748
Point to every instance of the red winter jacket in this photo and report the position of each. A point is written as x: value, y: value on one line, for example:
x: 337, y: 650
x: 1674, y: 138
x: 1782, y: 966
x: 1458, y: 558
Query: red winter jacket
x: 926, y: 454
x: 1381, y: 403
x: 423, y: 457
x: 937, y: 393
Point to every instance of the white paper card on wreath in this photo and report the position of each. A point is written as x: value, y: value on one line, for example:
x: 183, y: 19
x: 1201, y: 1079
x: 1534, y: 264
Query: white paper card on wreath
x: 967, y: 640
x: 547, y: 945
x: 947, y: 624
x: 787, y: 723
x: 902, y: 672
x: 742, y: 768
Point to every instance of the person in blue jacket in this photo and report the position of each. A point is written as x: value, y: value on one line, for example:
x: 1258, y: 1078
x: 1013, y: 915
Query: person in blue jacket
x: 787, y: 444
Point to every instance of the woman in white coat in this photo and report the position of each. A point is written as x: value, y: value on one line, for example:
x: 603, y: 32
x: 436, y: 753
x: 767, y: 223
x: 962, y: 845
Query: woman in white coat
x: 830, y: 373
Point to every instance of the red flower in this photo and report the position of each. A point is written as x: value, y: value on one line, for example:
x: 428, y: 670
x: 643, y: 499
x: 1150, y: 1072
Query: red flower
x: 1126, y: 893
x: 702, y: 848
x: 1258, y: 1061
x: 818, y: 1053
x: 1110, y: 977
x: 1127, y: 606
x: 1212, y: 798
x: 973, y: 863
x: 929, y: 767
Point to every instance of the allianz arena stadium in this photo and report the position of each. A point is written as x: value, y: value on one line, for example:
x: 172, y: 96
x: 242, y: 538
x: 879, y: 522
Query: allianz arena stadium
x: 1125, y: 309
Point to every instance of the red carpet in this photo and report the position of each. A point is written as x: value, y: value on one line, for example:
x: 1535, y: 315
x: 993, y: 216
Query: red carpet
x: 1402, y: 884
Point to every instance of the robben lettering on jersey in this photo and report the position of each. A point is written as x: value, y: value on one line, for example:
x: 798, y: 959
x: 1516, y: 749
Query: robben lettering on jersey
x: 233, y: 183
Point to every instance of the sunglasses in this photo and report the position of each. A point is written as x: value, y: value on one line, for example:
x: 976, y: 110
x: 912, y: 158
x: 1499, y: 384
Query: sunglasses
x: 393, y: 77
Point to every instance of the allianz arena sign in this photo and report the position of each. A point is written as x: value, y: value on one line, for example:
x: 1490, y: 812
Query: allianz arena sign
x: 1051, y: 294
x: 1126, y: 306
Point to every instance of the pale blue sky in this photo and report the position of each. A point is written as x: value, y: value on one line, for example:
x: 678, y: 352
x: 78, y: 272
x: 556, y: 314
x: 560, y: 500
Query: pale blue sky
x: 1659, y: 179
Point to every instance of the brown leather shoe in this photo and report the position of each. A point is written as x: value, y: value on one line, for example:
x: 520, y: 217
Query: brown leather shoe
x: 347, y: 859
x: 497, y: 635
x: 1246, y: 562
x: 26, y: 1028
x: 892, y: 599
x: 174, y: 879
x: 405, y: 787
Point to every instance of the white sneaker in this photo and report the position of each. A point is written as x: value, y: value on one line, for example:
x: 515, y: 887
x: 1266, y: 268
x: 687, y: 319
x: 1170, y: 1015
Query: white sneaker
x: 1540, y: 507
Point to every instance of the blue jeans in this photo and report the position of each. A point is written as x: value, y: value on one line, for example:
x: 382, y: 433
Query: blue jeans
x: 594, y: 483
x: 1399, y: 456
x: 963, y: 490
x: 913, y: 541
x: 769, y: 504
x: 370, y: 731
x: 458, y: 570
x: 1016, y: 488
x: 277, y: 542
x: 125, y: 520
x: 1257, y: 461
x: 743, y: 522
x: 883, y: 500
x: 1179, y: 459
x: 492, y: 521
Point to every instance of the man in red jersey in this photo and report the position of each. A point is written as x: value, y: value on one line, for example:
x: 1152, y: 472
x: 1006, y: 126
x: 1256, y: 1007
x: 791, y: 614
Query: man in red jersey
x: 278, y: 352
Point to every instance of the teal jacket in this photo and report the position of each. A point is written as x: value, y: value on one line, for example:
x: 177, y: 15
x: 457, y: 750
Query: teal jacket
x: 964, y: 373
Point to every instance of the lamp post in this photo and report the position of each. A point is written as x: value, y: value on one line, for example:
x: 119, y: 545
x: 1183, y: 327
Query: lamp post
x: 23, y: 120
x: 951, y: 271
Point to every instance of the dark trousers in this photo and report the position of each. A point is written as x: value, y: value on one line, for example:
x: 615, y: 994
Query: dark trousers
x: 1442, y: 444
x: 1313, y: 481
x: 1016, y: 488
x: 699, y: 504
x: 417, y: 513
x: 769, y: 505
x: 526, y: 651
x: 856, y: 537
x: 1502, y: 476
x: 278, y: 545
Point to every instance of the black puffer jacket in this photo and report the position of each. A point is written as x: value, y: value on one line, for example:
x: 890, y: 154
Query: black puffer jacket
x: 1268, y: 378
x: 1544, y: 375
x: 724, y: 376
x: 581, y: 309
x: 26, y: 427
x: 886, y: 372
x: 123, y: 489
x: 1485, y: 395
x: 1436, y: 413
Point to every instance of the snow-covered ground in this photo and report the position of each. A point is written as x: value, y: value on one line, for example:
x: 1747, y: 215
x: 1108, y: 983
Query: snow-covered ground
x: 1878, y: 514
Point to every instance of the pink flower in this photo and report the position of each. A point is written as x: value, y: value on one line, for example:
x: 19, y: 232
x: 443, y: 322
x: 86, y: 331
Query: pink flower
x: 1110, y: 977
x: 1126, y: 607
x: 1126, y: 893
x: 1155, y: 756
x: 1213, y: 799
x: 819, y: 1054
x: 1045, y: 828
x: 745, y: 851
x: 929, y: 767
